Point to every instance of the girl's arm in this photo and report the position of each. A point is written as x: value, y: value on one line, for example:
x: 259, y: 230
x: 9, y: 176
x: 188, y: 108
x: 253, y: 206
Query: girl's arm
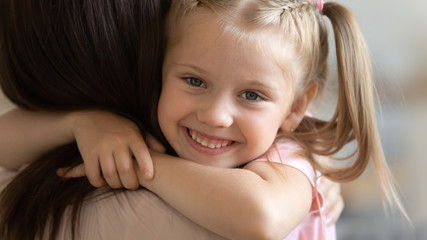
x: 262, y: 201
x: 26, y: 135
x: 106, y: 141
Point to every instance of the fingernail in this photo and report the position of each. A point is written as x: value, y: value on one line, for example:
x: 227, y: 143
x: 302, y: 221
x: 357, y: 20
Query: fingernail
x: 148, y: 175
x: 60, y: 172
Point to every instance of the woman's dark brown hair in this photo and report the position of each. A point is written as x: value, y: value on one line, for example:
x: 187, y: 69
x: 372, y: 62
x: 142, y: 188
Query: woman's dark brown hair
x: 70, y: 55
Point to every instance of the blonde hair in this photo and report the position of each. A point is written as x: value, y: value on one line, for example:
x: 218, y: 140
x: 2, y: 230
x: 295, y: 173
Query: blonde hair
x: 301, y: 24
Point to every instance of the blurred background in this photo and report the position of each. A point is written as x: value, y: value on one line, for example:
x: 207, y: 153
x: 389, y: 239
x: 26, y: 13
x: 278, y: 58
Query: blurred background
x: 396, y: 32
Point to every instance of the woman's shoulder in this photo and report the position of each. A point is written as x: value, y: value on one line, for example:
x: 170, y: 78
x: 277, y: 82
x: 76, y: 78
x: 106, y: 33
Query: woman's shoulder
x: 5, y: 177
x: 126, y: 214
x: 135, y: 215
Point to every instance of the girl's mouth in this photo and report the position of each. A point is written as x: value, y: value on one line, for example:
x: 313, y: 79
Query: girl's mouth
x: 208, y: 142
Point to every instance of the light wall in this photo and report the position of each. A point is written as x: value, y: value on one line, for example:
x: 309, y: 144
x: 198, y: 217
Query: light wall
x: 396, y: 33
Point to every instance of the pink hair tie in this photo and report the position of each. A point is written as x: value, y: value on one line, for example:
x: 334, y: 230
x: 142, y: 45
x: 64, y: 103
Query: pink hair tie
x: 320, y: 5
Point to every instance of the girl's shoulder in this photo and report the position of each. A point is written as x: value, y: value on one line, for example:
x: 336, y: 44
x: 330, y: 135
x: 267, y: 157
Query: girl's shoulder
x: 286, y: 151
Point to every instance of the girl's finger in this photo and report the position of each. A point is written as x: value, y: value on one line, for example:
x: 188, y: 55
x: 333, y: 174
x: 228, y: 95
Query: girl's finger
x: 335, y: 211
x: 143, y: 158
x: 334, y: 203
x: 124, y: 165
x: 93, y: 171
x: 72, y: 172
x: 109, y: 170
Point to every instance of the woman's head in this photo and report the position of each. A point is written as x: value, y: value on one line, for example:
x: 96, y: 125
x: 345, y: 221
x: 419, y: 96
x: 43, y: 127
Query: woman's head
x: 62, y: 55
x: 67, y: 55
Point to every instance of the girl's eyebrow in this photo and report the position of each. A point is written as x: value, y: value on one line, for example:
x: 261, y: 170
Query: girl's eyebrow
x: 188, y: 65
x: 264, y: 85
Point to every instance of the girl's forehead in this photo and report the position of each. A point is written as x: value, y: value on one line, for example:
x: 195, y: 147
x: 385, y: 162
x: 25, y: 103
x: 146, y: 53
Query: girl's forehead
x: 202, y: 28
x: 215, y: 54
x: 268, y: 40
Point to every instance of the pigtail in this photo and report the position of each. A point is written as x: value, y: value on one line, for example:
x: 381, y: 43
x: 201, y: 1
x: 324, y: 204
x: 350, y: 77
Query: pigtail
x: 355, y: 113
x: 354, y: 117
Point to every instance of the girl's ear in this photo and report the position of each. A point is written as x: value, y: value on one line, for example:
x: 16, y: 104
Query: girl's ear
x: 299, y: 108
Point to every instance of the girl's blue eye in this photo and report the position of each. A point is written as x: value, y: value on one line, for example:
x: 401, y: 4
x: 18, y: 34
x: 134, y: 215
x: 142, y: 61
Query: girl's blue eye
x: 195, y: 82
x: 252, y: 96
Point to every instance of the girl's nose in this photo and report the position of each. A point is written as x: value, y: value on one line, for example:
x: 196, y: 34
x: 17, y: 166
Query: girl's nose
x: 215, y: 115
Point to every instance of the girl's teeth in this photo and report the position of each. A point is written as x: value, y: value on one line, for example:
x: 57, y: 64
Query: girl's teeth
x: 205, y: 143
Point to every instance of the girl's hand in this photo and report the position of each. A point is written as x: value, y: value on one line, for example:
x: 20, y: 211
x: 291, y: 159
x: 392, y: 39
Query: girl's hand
x: 108, y: 144
x: 334, y: 203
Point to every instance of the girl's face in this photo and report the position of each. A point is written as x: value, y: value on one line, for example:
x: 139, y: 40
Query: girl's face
x: 222, y: 102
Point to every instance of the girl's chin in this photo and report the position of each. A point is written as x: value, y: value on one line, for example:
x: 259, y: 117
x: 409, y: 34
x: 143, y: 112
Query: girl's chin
x: 203, y: 159
x: 222, y: 161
